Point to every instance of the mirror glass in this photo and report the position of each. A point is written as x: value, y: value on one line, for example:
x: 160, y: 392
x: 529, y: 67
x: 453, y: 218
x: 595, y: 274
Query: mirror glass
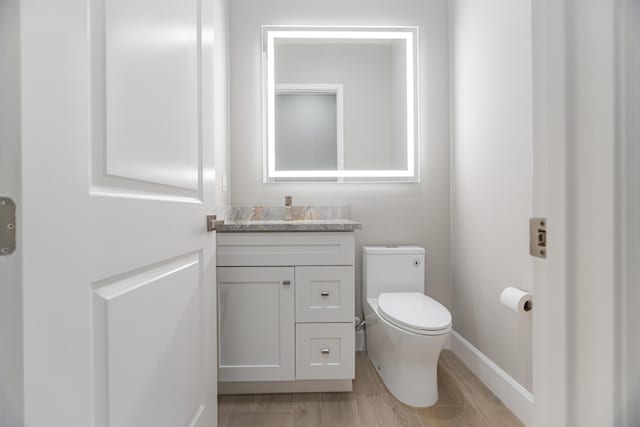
x: 340, y: 104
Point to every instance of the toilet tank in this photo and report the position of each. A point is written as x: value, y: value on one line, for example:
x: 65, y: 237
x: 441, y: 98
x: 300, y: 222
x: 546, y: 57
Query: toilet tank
x: 392, y: 269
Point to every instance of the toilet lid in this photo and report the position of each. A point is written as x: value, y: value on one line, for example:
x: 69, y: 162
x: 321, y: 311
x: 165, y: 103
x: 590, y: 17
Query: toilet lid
x: 414, y: 310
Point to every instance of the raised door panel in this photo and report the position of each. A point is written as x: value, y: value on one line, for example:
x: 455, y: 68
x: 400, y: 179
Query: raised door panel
x: 325, y: 351
x: 256, y: 323
x: 147, y: 86
x: 325, y: 294
x: 149, y: 351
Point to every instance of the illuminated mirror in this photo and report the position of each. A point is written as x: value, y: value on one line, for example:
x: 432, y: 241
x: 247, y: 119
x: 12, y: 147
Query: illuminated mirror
x: 340, y: 104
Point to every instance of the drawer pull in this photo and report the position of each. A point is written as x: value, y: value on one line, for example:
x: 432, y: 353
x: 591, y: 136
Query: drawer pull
x: 286, y: 282
x: 325, y: 351
x: 324, y: 294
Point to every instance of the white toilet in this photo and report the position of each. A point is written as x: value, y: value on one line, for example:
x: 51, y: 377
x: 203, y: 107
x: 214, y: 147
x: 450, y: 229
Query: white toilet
x: 405, y: 328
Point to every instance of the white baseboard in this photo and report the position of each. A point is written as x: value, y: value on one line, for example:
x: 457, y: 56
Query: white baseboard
x: 515, y: 397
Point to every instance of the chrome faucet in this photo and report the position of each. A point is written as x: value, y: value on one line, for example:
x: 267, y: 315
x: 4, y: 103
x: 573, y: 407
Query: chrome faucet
x: 288, y: 209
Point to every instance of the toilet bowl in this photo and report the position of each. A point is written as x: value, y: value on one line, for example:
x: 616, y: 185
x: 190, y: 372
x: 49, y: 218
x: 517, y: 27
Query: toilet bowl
x: 405, y: 329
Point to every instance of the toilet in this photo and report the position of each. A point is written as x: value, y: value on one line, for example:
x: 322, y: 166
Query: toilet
x: 405, y: 329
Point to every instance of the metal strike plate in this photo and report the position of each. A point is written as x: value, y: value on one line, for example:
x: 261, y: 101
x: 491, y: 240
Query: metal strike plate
x: 538, y: 237
x: 213, y: 222
x: 7, y: 226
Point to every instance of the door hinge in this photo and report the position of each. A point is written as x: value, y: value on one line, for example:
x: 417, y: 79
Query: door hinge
x: 7, y: 226
x: 213, y: 222
x: 538, y: 237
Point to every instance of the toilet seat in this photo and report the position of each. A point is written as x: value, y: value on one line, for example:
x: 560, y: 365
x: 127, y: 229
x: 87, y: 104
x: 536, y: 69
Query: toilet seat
x: 414, y: 312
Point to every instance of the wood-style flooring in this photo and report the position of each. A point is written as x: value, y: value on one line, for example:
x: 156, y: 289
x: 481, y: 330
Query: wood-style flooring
x: 464, y: 401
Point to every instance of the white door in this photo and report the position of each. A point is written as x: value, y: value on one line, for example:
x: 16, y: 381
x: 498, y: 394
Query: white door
x: 257, y: 324
x: 586, y: 58
x: 119, y: 271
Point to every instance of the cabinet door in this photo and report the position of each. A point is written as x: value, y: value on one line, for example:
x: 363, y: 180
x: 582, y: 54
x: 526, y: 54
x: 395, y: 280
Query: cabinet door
x: 325, y: 294
x: 256, y: 323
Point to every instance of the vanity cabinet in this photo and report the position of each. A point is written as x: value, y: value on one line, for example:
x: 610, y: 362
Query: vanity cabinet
x: 286, y: 311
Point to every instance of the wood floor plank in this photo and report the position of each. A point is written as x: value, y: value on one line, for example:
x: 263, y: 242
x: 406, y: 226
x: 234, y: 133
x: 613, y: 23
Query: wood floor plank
x: 368, y: 382
x: 273, y: 402
x: 375, y: 406
x: 260, y: 418
x: 485, y: 402
x: 338, y: 409
x: 308, y: 411
x: 257, y: 402
x: 463, y: 402
x: 386, y: 411
x: 240, y: 403
x: 449, y: 393
x: 223, y: 413
x: 464, y: 415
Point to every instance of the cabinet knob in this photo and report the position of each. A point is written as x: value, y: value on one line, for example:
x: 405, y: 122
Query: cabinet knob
x: 286, y: 282
x: 325, y: 351
x: 324, y: 294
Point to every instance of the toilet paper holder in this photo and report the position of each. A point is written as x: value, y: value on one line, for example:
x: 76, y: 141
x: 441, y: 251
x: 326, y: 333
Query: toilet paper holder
x: 516, y: 299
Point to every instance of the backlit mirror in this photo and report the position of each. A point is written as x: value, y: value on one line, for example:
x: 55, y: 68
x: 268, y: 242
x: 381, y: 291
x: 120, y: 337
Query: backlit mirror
x: 340, y: 104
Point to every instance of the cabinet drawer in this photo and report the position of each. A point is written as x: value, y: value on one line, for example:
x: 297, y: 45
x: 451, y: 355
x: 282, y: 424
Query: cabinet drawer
x: 325, y: 351
x: 253, y: 249
x: 325, y: 294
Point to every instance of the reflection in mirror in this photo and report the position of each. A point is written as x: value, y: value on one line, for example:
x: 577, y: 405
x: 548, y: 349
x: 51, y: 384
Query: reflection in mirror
x: 309, y: 127
x: 340, y: 104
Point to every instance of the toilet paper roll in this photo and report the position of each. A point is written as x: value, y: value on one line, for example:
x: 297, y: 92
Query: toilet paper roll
x: 516, y: 299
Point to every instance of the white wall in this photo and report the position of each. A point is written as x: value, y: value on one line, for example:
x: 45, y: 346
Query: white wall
x: 408, y: 213
x: 11, y: 378
x: 492, y: 176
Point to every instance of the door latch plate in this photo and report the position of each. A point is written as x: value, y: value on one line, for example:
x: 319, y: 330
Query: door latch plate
x: 538, y: 237
x: 7, y: 226
x: 213, y: 223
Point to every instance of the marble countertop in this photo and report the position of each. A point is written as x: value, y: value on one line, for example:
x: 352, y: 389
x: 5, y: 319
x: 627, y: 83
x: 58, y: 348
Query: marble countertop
x: 288, y: 226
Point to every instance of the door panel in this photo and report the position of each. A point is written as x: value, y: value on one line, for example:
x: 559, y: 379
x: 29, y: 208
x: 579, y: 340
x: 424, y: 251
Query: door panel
x: 148, y: 326
x: 151, y: 52
x: 146, y: 87
x: 256, y: 321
